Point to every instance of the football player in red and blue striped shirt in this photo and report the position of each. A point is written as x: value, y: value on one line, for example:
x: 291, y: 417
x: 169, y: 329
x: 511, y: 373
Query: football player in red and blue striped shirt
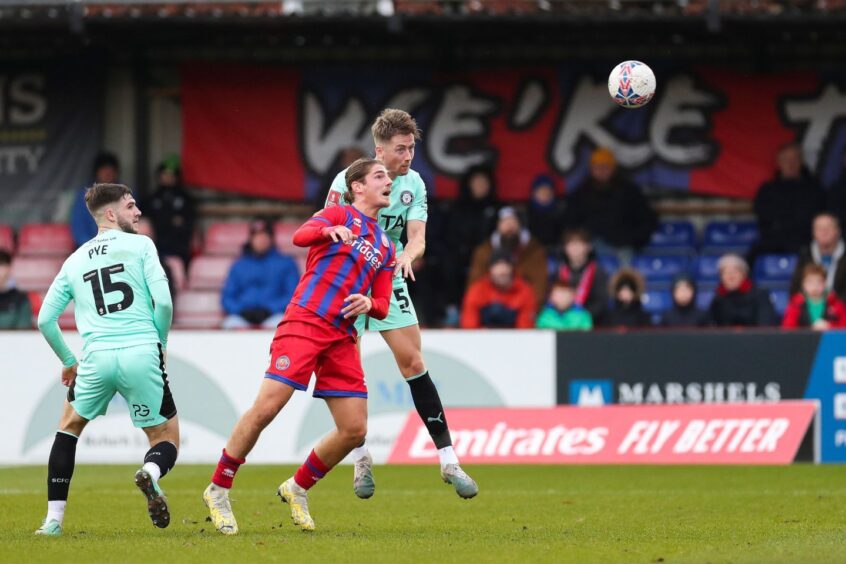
x: 349, y: 257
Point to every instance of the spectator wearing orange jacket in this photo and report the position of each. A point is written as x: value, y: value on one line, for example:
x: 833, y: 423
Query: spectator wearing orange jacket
x: 814, y: 306
x: 499, y: 300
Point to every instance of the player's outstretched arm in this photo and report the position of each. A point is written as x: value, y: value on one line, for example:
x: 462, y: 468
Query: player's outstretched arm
x: 323, y: 225
x: 55, y: 302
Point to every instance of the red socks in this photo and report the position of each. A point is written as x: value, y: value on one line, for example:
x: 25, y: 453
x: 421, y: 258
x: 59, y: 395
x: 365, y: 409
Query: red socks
x: 310, y: 472
x: 225, y: 471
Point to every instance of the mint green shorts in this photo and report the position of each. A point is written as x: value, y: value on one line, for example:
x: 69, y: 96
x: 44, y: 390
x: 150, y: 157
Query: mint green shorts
x: 401, y: 314
x: 136, y: 373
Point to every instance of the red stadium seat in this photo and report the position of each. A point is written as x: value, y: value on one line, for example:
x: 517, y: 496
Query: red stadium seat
x: 208, y: 273
x: 35, y: 273
x: 45, y: 239
x: 226, y: 238
x: 198, y: 310
x: 7, y: 239
x: 283, y: 234
x: 177, y: 272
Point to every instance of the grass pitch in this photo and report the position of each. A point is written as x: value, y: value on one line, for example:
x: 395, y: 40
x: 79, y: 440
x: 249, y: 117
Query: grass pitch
x: 523, y: 514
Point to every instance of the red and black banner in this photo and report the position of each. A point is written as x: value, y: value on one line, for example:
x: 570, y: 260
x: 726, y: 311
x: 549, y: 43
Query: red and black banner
x: 276, y: 131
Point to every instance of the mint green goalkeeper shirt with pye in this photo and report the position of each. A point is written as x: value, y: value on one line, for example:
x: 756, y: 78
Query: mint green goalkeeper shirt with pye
x: 408, y: 202
x: 114, y: 280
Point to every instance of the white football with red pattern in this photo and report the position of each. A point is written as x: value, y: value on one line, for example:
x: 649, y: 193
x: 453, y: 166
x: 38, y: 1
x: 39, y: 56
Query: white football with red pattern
x: 631, y: 84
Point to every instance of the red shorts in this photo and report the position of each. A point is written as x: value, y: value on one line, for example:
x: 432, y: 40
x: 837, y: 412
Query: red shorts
x: 301, y: 348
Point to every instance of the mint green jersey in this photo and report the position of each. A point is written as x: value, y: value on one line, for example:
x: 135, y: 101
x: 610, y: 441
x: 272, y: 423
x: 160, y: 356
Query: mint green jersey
x: 109, y: 280
x: 408, y: 202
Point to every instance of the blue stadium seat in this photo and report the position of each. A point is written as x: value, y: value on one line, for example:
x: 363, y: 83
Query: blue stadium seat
x: 780, y: 299
x: 660, y: 268
x: 673, y: 237
x: 726, y: 236
x: 705, y: 269
x: 774, y: 271
x: 656, y: 301
x: 704, y: 297
x: 609, y: 263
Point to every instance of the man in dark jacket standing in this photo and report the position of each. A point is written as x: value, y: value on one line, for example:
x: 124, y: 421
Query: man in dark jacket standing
x: 786, y: 205
x: 171, y: 210
x: 611, y: 208
x: 15, y: 309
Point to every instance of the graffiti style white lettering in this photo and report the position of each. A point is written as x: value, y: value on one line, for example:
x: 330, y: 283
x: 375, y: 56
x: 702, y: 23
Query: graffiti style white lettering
x: 461, y: 115
x: 819, y: 115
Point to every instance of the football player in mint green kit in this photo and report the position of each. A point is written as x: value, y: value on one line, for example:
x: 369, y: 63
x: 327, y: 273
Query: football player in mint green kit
x: 395, y: 133
x: 123, y: 310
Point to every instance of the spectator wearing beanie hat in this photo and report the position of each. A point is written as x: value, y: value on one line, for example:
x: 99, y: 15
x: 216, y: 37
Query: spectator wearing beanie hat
x: 260, y: 283
x: 546, y: 211
x: 511, y: 239
x: 613, y: 209
x: 171, y: 210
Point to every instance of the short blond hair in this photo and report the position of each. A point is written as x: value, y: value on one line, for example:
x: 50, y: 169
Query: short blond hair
x: 732, y: 259
x: 394, y: 122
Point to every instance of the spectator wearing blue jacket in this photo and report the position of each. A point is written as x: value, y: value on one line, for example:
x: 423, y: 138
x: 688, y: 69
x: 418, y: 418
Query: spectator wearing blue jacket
x: 260, y: 283
x: 83, y: 228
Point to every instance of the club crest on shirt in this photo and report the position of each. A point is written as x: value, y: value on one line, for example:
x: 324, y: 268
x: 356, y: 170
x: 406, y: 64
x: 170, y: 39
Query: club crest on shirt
x: 357, y: 221
x: 283, y: 363
x: 406, y: 198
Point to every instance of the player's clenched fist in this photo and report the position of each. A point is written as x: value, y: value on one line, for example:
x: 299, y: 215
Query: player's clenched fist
x: 357, y: 304
x: 338, y: 233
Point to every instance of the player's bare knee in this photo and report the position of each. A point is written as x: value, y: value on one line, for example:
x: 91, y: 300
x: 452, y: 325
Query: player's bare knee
x: 354, y: 433
x: 413, y: 367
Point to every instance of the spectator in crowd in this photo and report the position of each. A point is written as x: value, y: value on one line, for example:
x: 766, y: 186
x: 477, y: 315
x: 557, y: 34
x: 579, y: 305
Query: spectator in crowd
x: 576, y: 264
x: 546, y: 211
x: 627, y: 310
x: 611, y: 208
x: 837, y: 194
x: 500, y: 299
x: 105, y: 170
x: 468, y: 223
x: 786, y: 205
x: 826, y: 249
x: 737, y: 303
x: 561, y: 312
x: 15, y: 309
x: 683, y: 312
x: 814, y: 306
x: 260, y: 283
x: 527, y: 254
x: 172, y: 211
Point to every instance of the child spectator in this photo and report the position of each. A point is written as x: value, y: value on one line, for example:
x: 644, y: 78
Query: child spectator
x: 684, y: 312
x: 627, y: 311
x: 737, y: 302
x: 814, y: 306
x: 562, y: 313
x: 576, y: 263
x: 500, y: 299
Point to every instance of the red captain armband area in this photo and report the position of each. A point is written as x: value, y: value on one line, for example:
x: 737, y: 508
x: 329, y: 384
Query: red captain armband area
x: 333, y: 199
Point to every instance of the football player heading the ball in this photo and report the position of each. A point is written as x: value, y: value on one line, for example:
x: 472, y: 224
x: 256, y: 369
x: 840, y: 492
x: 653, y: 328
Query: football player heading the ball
x: 395, y: 133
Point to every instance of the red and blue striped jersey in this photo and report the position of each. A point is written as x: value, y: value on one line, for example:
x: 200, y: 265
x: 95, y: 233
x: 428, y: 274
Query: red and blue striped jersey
x: 334, y: 271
